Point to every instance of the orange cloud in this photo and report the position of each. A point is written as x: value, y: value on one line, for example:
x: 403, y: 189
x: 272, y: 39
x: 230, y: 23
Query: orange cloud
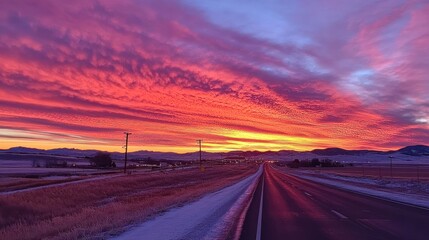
x: 78, y: 76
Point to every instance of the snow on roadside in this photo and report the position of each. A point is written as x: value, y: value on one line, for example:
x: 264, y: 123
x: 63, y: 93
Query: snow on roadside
x: 398, y: 185
x: 210, y: 217
x: 372, y: 187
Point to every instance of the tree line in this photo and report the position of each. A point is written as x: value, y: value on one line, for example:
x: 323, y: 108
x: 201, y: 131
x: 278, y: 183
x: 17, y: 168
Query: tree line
x: 315, y: 162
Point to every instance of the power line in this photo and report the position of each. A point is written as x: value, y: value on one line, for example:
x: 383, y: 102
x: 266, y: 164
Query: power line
x: 199, y: 141
x: 126, y: 150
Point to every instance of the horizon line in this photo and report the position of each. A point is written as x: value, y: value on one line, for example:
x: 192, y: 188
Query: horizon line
x: 263, y: 151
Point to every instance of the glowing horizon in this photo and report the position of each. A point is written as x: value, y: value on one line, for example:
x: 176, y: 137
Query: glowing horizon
x: 292, y: 75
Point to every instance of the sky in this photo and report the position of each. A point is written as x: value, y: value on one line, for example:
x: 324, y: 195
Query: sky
x: 238, y: 74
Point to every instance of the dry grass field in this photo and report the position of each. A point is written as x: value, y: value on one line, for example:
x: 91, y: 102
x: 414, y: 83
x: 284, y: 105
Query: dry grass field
x: 12, y: 184
x: 98, y: 209
x: 408, y: 172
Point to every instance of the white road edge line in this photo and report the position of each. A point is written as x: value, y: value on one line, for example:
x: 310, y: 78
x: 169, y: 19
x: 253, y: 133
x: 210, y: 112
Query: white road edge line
x: 339, y: 214
x: 258, y: 231
x: 308, y: 194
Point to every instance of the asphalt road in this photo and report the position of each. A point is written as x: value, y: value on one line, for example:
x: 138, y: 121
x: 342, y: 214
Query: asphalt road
x: 293, y: 208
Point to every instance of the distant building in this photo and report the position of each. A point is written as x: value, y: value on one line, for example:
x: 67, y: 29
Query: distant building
x: 235, y: 159
x: 49, y: 163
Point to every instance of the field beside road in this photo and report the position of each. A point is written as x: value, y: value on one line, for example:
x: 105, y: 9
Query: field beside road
x: 96, y: 209
x: 404, y: 185
x: 14, y: 184
x: 407, y: 172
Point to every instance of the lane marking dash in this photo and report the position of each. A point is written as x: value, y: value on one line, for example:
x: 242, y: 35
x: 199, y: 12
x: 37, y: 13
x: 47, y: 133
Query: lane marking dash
x: 339, y: 214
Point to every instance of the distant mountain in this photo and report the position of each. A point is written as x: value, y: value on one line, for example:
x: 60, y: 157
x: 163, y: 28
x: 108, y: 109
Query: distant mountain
x: 71, y: 152
x: 340, y: 151
x: 417, y: 150
x: 25, y: 150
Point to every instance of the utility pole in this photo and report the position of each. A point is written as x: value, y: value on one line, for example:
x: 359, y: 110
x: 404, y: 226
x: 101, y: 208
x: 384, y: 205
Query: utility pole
x: 126, y: 150
x: 391, y: 165
x: 199, y: 141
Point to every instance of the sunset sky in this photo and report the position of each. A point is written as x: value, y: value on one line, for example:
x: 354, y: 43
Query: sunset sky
x: 241, y: 75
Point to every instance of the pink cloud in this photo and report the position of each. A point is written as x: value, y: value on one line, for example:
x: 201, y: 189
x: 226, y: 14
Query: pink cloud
x: 164, y: 69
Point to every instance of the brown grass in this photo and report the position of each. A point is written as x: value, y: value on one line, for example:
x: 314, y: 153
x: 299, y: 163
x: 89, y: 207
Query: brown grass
x: 96, y: 209
x: 23, y: 183
x: 407, y: 172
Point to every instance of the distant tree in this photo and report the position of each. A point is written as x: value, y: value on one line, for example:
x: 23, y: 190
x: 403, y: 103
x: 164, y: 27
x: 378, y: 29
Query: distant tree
x: 52, y: 163
x: 294, y: 164
x: 101, y: 159
x: 315, y: 162
x: 327, y: 163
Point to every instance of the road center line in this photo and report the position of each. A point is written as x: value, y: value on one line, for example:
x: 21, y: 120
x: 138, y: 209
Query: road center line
x: 339, y: 214
x: 259, y: 229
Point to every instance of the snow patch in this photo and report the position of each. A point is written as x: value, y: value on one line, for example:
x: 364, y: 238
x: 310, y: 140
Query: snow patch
x: 402, y: 197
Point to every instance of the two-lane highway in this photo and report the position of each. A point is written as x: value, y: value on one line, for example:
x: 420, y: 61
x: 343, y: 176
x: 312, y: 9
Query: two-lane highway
x: 287, y: 207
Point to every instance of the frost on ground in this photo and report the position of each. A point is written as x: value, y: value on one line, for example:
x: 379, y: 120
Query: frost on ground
x: 400, y: 190
x: 396, y: 185
x: 210, y: 217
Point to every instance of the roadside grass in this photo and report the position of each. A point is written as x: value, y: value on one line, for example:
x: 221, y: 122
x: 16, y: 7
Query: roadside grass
x: 23, y: 183
x: 402, y: 181
x: 98, y: 209
x: 406, y: 172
